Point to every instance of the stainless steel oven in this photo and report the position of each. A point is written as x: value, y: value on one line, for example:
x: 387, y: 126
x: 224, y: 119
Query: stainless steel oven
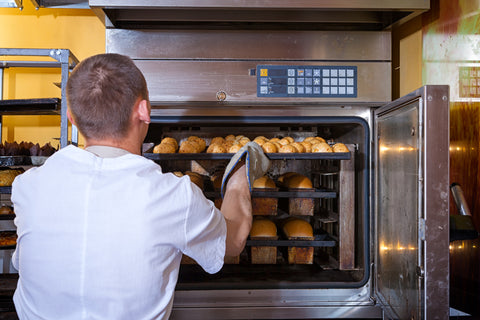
x: 380, y: 212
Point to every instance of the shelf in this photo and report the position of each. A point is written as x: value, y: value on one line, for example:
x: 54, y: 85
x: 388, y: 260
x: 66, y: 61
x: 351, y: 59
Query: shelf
x: 322, y: 240
x: 47, y: 106
x: 228, y: 156
x: 317, y: 193
x: 5, y: 190
x: 10, y: 216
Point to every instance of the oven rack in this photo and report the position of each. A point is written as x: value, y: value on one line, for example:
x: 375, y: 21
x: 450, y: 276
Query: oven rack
x: 317, y: 193
x: 321, y: 240
x: 228, y: 156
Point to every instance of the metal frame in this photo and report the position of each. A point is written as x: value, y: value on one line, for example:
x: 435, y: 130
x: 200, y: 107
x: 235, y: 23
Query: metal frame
x: 64, y: 59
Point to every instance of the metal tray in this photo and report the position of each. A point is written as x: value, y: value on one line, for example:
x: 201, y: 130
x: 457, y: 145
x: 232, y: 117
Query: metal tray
x: 321, y: 240
x: 228, y: 156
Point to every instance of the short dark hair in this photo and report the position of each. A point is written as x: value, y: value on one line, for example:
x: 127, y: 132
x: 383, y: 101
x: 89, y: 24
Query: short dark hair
x: 101, y: 93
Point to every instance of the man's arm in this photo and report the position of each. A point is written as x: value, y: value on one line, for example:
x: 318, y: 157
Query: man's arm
x: 237, y: 210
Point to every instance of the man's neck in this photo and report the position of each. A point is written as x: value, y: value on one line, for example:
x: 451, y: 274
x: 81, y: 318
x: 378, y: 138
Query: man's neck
x: 127, y: 145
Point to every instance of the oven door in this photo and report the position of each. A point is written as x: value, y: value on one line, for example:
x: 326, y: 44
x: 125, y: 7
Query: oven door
x: 411, y: 194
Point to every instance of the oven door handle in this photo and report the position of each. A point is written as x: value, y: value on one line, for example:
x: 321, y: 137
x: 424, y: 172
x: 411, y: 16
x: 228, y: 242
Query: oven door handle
x: 461, y: 224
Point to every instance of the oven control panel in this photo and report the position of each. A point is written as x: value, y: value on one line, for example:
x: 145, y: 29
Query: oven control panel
x: 306, y: 81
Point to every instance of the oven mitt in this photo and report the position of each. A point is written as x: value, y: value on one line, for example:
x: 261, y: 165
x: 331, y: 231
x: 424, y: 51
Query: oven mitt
x: 256, y: 163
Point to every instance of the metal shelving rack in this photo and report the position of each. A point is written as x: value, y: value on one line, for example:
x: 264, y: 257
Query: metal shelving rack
x: 63, y: 59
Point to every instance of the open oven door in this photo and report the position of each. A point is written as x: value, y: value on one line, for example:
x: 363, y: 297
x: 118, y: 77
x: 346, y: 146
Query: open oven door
x: 411, y: 195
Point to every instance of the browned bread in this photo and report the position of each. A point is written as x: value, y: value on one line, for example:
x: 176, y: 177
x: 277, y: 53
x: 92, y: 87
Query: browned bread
x: 264, y: 182
x: 340, y: 147
x: 297, y: 228
x: 263, y: 228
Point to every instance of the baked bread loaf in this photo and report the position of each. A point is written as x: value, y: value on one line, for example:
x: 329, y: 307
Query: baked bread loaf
x: 307, y: 145
x: 235, y: 148
x: 201, y: 143
x: 340, y: 147
x: 297, y: 228
x: 263, y: 182
x: 282, y: 180
x: 217, y: 140
x: 171, y: 141
x: 189, y: 147
x: 263, y: 228
x: 216, y: 148
x: 298, y: 181
x: 300, y: 148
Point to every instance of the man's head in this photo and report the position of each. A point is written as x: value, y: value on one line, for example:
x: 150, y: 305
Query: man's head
x: 102, y: 92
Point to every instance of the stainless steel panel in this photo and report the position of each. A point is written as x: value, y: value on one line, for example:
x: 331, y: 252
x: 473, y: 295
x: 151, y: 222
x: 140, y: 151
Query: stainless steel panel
x: 411, y: 211
x: 309, y: 14
x: 250, y: 45
x: 275, y: 304
x: 189, y: 81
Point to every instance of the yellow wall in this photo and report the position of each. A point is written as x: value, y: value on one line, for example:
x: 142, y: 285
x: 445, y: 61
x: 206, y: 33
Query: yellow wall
x: 79, y: 30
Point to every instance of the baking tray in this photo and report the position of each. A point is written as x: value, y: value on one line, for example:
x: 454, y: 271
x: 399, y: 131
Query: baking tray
x: 29, y: 106
x: 318, y: 193
x: 321, y: 240
x: 7, y: 234
x: 228, y: 156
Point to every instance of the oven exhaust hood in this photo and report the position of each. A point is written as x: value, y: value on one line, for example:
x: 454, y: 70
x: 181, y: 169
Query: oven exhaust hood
x: 258, y: 14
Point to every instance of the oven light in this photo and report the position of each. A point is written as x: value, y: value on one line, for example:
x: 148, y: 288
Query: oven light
x: 384, y: 149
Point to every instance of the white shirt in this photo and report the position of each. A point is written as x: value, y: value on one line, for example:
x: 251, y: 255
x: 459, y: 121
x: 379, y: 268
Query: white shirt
x: 102, y: 238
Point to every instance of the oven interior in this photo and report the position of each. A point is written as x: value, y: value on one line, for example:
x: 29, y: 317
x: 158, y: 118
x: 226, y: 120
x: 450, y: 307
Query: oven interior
x: 337, y: 207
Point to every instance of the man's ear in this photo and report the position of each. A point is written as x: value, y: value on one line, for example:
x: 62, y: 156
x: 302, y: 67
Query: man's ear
x: 70, y: 117
x: 143, y: 111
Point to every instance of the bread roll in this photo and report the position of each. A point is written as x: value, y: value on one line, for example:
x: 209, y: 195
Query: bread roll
x: 230, y: 137
x: 263, y: 228
x: 8, y: 175
x: 216, y: 148
x: 171, y: 141
x: 284, y: 141
x: 264, y: 182
x: 235, y: 148
x: 307, y: 145
x: 297, y: 228
x: 269, y: 147
x: 201, y: 142
x: 300, y: 148
x: 217, y: 140
x: 240, y: 136
x: 164, y: 148
x: 340, y: 147
x: 178, y: 173
x: 244, y: 141
x: 287, y: 149
x: 298, y: 181
x: 260, y: 141
x: 189, y: 147
x: 321, y: 147
x: 274, y: 140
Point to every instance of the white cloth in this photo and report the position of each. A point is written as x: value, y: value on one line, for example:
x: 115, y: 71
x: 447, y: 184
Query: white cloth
x: 102, y: 238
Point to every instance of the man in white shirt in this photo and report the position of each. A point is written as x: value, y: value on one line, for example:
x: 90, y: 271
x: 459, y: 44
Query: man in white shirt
x: 101, y: 231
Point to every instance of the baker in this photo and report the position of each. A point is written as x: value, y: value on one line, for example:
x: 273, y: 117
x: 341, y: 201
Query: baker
x: 101, y: 230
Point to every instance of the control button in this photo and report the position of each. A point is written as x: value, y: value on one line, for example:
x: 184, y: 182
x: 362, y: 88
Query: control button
x: 334, y: 81
x: 349, y: 82
x: 326, y: 81
x: 291, y: 81
x: 350, y: 73
x: 308, y: 81
x: 333, y: 73
x: 291, y: 72
x: 291, y: 90
x: 264, y: 90
x: 316, y: 81
x: 308, y: 90
x: 301, y: 81
x: 341, y: 81
x: 326, y: 72
x: 341, y: 73
x: 316, y: 72
x: 264, y: 72
x: 300, y: 72
x: 300, y: 90
x: 341, y: 90
x: 326, y: 90
x: 316, y: 90
x: 308, y: 72
x: 333, y: 90
x: 263, y: 81
x: 349, y: 90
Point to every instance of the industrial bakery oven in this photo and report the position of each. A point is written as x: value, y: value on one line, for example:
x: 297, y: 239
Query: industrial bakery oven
x: 379, y: 212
